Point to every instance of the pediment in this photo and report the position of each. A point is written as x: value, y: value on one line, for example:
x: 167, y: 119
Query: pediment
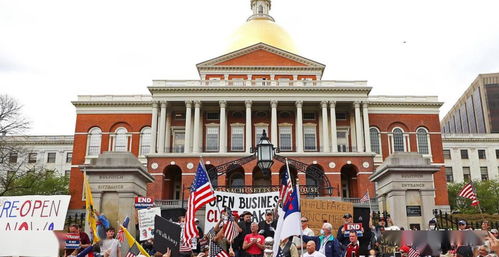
x: 260, y: 55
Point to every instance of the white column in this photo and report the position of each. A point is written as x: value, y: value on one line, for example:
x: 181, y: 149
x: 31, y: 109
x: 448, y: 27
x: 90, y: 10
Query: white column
x: 223, y: 127
x: 188, y: 125
x: 325, y: 130
x: 154, y: 126
x: 273, y: 125
x: 358, y: 128
x: 334, y: 133
x: 162, y: 128
x: 195, y: 137
x: 168, y: 130
x: 299, y: 126
x: 248, y: 134
x: 367, y: 136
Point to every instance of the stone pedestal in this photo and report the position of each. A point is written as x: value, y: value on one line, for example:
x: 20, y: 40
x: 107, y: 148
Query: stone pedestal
x: 405, y: 189
x: 116, y: 178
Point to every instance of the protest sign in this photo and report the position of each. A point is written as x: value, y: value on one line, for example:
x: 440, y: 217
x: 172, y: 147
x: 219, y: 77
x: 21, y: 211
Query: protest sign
x: 146, y: 222
x: 319, y: 210
x: 166, y: 235
x: 257, y: 204
x: 143, y: 202
x: 33, y: 212
x: 357, y: 227
x: 72, y: 241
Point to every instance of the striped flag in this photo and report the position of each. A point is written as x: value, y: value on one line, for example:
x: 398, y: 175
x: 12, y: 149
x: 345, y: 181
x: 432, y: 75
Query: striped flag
x: 286, y: 187
x: 413, y: 253
x: 216, y: 250
x: 201, y: 194
x: 469, y: 192
x: 365, y: 198
x: 230, y: 229
x: 133, y: 251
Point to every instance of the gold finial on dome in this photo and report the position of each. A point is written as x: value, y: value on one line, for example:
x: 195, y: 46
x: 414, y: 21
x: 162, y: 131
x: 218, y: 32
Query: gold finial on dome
x: 261, y: 9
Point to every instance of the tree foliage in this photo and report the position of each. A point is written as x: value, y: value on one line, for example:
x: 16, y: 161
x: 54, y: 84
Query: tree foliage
x: 43, y: 182
x: 487, y: 192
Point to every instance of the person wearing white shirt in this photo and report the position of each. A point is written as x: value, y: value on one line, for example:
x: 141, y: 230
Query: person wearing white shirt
x: 306, y: 232
x: 311, y: 252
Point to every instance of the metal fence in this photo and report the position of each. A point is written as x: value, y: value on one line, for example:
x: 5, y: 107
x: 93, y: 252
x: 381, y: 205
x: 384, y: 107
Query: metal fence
x: 449, y: 221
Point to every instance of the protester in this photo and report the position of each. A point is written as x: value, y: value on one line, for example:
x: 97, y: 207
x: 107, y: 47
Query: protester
x: 306, y: 232
x: 197, y: 248
x: 185, y: 250
x: 110, y: 246
x: 287, y: 248
x: 311, y: 251
x: 254, y: 243
x: 485, y: 225
x: 432, y: 225
x: 244, y: 228
x: 461, y: 225
x: 267, y: 226
x: 326, y: 244
x: 353, y: 247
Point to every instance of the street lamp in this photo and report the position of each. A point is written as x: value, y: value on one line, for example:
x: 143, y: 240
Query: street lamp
x: 265, y: 154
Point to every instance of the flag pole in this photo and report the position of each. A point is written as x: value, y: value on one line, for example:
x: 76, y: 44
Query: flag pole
x: 299, y: 203
x: 369, y: 198
x: 476, y: 196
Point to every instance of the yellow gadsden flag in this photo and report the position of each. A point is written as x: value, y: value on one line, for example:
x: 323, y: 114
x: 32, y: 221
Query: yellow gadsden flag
x: 131, y: 241
x: 89, y: 205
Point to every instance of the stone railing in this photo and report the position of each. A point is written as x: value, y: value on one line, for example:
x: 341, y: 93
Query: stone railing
x: 256, y: 83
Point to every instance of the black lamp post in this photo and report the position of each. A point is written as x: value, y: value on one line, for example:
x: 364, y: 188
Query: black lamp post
x: 265, y: 153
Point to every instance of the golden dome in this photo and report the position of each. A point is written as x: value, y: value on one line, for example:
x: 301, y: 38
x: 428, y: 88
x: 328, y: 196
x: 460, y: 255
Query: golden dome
x: 261, y: 30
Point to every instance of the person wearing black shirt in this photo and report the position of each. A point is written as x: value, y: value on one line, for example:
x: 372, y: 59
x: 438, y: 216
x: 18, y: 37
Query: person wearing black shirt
x: 244, y: 229
x: 267, y: 226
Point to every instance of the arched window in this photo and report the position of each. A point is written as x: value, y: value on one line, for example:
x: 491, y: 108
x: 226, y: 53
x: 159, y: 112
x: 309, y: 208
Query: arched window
x: 121, y: 140
x: 260, y: 9
x: 94, y: 141
x: 398, y: 140
x: 236, y: 179
x: 375, y: 140
x: 145, y: 141
x: 423, y: 144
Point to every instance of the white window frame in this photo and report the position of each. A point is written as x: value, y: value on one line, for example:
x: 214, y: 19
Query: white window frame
x: 427, y: 140
x: 176, y: 131
x: 314, y: 128
x: 282, y: 127
x: 114, y: 139
x: 405, y: 140
x: 207, y: 146
x: 379, y: 141
x: 346, y: 130
x: 142, y: 139
x: 232, y: 127
x: 93, y: 132
x: 262, y: 127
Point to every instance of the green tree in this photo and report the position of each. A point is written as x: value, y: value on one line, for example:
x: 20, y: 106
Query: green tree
x: 487, y: 192
x: 43, y: 182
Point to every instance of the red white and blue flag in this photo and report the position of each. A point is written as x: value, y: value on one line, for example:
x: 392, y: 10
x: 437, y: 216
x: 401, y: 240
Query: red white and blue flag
x: 365, y: 198
x: 230, y: 228
x: 201, y: 194
x: 469, y: 192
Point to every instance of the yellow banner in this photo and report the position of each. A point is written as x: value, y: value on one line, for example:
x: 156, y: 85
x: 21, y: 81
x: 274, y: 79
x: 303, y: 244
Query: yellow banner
x: 316, y: 211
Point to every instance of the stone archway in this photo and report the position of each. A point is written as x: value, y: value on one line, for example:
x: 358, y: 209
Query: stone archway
x: 314, y: 180
x: 349, y: 181
x: 235, y: 177
x: 173, y: 182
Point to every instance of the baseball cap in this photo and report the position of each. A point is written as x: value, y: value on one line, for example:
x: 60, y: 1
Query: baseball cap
x: 493, y: 231
x: 246, y: 213
x: 346, y: 216
x: 461, y: 222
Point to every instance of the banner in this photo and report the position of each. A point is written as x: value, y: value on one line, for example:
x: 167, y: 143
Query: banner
x: 166, y: 235
x: 33, y: 212
x: 143, y: 202
x: 72, y: 241
x: 258, y: 204
x: 146, y: 222
x: 319, y: 210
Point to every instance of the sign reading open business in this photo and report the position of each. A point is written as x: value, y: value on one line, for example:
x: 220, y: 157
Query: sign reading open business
x: 33, y: 212
x: 258, y: 204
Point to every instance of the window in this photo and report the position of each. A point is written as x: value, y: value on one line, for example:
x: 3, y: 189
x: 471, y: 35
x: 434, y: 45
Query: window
x: 259, y: 133
x: 375, y: 140
x: 341, y: 115
x: 484, y: 173
x: 466, y: 174
x: 178, y: 141
x: 51, y: 157
x: 238, y: 82
x: 342, y: 141
x: 482, y: 154
x: 309, y: 115
x: 212, y: 139
x: 449, y: 175
x: 310, y: 138
x: 237, y: 138
x: 285, y: 138
x: 260, y: 9
x: 94, y: 142
x: 212, y: 115
x: 32, y: 157
x: 13, y: 158
x: 464, y: 154
x: 284, y: 115
x: 145, y: 141
x: 121, y: 140
x: 422, y: 136
x: 398, y: 140
x: 284, y: 81
x: 179, y: 115
x: 67, y: 173
x: 447, y: 155
x: 497, y: 153
x: 69, y: 157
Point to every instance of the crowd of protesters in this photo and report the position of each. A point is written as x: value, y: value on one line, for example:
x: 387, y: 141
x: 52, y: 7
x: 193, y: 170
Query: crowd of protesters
x: 256, y: 239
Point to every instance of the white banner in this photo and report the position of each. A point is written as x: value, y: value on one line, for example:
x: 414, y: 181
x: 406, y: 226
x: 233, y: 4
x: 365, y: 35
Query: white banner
x: 257, y: 204
x: 33, y: 212
x: 146, y: 222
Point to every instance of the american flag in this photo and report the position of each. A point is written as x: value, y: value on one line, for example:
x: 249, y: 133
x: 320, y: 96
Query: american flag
x: 413, y: 253
x: 286, y: 186
x: 201, y: 194
x: 365, y: 198
x: 216, y: 250
x: 133, y: 251
x: 468, y: 192
x: 230, y: 228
